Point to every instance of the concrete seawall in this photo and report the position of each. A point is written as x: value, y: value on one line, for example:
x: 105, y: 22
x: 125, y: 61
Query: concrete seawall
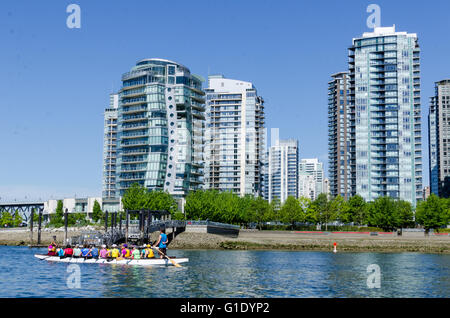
x: 285, y: 240
x: 274, y: 240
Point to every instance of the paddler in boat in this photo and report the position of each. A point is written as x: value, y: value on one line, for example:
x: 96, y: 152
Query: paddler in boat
x: 60, y: 252
x: 76, y: 251
x: 68, y: 251
x: 135, y: 254
x: 125, y: 251
x: 104, y: 253
x: 94, y: 252
x: 52, y: 249
x: 162, y: 243
x: 115, y: 251
x: 147, y: 251
x: 86, y: 252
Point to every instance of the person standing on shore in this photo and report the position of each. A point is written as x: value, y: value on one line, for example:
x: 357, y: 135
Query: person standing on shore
x: 162, y: 243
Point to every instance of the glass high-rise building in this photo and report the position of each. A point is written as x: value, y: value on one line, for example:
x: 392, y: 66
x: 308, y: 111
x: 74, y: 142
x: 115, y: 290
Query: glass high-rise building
x: 110, y: 148
x: 385, y: 128
x: 339, y: 135
x: 160, y: 128
x: 439, y: 139
x: 282, y: 169
x: 433, y: 147
x: 234, y: 137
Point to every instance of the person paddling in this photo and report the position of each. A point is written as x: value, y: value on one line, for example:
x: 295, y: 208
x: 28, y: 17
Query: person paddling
x: 86, y: 252
x: 60, y: 252
x: 94, y: 252
x: 104, y: 253
x: 77, y: 251
x: 52, y: 249
x: 68, y: 252
x: 135, y: 254
x: 125, y: 251
x: 162, y: 243
x: 147, y: 251
x: 115, y: 251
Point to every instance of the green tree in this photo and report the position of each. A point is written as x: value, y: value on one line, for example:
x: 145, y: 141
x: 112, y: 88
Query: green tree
x: 357, y: 210
x: 59, y: 209
x: 432, y: 213
x: 36, y: 216
x: 339, y: 210
x: 97, y: 213
x: 383, y: 213
x: 17, y: 219
x: 178, y: 216
x: 201, y: 204
x: 275, y: 206
x: 291, y: 211
x: 6, y: 219
x: 57, y: 219
x: 405, y: 215
x: 310, y: 214
x: 77, y: 219
x: 159, y: 200
x: 305, y: 205
x: 138, y: 198
x: 134, y: 197
x: 324, y: 210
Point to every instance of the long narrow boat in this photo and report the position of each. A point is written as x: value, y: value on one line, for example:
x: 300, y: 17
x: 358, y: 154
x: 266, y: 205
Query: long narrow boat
x: 140, y: 262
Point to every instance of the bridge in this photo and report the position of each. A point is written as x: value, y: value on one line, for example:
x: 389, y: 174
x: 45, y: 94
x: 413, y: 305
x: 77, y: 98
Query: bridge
x: 135, y: 231
x: 24, y: 208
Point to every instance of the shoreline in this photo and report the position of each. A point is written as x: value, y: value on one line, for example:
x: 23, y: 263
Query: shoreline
x: 271, y: 240
x: 291, y: 241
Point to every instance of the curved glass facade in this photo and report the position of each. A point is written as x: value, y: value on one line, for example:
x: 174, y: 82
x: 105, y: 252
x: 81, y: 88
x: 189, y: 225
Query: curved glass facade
x: 160, y: 128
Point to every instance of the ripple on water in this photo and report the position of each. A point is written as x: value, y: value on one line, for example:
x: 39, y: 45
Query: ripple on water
x: 232, y: 274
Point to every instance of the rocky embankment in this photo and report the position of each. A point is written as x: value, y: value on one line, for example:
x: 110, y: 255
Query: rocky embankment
x: 21, y: 236
x: 266, y: 240
x: 271, y: 240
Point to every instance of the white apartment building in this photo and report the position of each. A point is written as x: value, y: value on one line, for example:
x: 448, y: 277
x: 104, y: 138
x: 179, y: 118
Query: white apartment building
x: 311, y: 178
x: 234, y: 136
x: 282, y: 168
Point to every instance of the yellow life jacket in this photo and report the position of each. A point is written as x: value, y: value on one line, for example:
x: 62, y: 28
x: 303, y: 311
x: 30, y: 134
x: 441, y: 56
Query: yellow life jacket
x: 115, y: 253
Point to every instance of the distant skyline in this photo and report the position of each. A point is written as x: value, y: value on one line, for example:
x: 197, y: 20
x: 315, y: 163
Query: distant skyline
x: 56, y: 81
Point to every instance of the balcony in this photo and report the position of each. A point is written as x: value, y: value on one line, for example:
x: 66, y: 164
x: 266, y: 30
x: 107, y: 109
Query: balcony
x: 129, y: 119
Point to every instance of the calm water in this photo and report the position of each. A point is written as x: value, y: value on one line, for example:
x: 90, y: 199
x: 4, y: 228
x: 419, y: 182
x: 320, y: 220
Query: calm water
x: 232, y: 274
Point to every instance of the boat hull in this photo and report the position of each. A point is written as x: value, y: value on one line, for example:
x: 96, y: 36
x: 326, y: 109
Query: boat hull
x: 139, y: 262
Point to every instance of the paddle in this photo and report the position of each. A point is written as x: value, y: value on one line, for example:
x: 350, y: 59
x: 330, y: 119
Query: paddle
x: 171, y: 260
x: 45, y: 257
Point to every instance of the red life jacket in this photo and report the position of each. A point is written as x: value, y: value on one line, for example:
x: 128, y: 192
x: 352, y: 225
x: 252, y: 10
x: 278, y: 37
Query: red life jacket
x: 68, y: 251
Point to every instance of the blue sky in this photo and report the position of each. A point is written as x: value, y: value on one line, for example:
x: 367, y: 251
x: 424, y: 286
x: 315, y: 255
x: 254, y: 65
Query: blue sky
x: 56, y: 81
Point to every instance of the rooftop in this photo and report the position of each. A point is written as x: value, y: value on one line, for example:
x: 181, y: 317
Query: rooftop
x: 385, y: 31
